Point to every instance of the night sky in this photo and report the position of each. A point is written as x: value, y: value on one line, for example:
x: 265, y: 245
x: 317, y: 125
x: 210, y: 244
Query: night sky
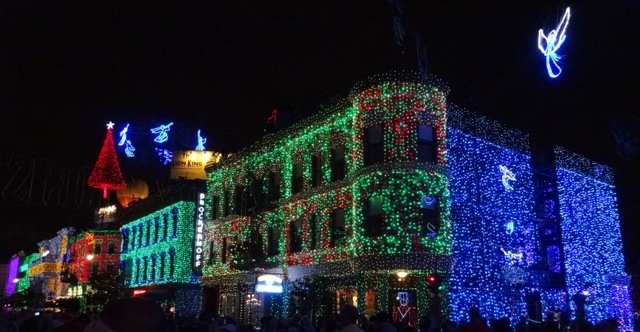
x: 66, y: 69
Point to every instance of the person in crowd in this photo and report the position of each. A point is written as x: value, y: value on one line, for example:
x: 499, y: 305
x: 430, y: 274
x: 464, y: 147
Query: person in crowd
x: 476, y: 322
x: 349, y: 318
x: 133, y: 314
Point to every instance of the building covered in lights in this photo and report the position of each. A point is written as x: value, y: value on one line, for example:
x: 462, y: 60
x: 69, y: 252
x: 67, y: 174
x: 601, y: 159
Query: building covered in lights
x: 396, y: 202
x: 45, y: 272
x: 156, y: 258
x: 93, y: 253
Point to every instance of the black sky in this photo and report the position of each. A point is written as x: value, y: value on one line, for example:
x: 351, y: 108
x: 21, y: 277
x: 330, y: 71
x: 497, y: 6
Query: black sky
x: 68, y: 68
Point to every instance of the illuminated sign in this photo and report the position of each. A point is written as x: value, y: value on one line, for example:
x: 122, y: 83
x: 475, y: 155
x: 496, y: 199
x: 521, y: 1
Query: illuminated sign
x: 189, y: 165
x: 137, y: 292
x: 107, y: 209
x: 552, y: 43
x: 198, y: 237
x: 105, y: 214
x: 268, y: 283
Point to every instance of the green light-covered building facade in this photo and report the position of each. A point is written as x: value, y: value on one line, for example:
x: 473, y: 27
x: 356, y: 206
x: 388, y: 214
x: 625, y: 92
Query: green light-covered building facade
x: 339, y: 205
x: 156, y: 258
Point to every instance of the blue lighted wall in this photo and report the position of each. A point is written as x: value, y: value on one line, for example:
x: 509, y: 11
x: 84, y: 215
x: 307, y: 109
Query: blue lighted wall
x: 591, y: 237
x: 481, y: 209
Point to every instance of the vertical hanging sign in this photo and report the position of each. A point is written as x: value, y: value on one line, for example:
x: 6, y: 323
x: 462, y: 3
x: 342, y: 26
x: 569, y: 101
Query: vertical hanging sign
x: 198, y: 236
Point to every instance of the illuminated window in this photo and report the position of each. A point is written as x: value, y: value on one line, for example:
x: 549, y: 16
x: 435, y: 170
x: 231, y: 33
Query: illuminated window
x: 338, y: 227
x: 125, y: 240
x: 338, y: 166
x: 373, y: 147
x: 373, y: 222
x: 52, y: 284
x: 297, y: 181
x: 426, y: 144
x: 316, y: 170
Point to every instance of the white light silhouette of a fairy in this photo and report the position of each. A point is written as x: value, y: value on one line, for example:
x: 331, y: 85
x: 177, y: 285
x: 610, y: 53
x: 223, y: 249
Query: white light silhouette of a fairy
x: 552, y: 43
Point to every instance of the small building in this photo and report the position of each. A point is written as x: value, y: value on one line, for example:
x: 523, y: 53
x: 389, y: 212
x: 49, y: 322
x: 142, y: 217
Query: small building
x: 45, y: 272
x: 156, y: 258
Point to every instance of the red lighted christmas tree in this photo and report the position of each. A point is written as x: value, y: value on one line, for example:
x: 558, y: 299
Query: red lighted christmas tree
x: 106, y: 173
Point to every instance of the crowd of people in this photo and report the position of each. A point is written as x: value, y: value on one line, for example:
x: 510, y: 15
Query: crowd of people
x: 142, y: 315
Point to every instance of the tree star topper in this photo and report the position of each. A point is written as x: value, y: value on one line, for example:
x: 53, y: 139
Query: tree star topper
x: 552, y: 43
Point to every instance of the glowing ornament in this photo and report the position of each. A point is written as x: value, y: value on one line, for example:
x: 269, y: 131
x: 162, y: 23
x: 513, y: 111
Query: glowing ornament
x: 106, y: 173
x: 123, y: 135
x: 552, y: 43
x: 165, y: 154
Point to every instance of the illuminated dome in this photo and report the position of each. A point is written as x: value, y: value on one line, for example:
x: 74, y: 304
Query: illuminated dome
x: 136, y: 189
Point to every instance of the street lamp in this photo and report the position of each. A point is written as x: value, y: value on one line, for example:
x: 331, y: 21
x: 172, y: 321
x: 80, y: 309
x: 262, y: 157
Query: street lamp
x: 16, y: 280
x: 89, y: 257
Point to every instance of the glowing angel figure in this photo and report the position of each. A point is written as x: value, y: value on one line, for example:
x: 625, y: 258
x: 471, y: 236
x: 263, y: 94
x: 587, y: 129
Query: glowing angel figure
x: 552, y: 43
x: 162, y: 132
x: 129, y: 150
x: 201, y: 141
x: 507, y: 176
x: 123, y: 135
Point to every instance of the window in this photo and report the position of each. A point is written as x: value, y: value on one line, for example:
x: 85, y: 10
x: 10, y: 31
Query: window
x: 224, y: 251
x: 137, y: 271
x: 156, y: 229
x: 373, y: 222
x: 257, y: 198
x: 165, y: 227
x: 274, y: 239
x: 140, y: 234
x: 145, y: 276
x: 255, y: 246
x: 316, y: 171
x: 133, y: 237
x: 127, y: 266
x: 240, y: 201
x: 337, y: 164
x: 172, y: 262
x: 313, y: 229
x: 111, y: 267
x: 95, y: 268
x: 275, y: 179
x: 162, y: 265
x: 338, y: 227
x: 215, y: 207
x: 227, y: 202
x: 111, y: 247
x: 426, y: 144
x: 297, y: 181
x: 295, y: 240
x: 174, y: 217
x: 97, y: 247
x: 373, y: 147
x: 153, y: 268
x: 212, y: 252
x: 148, y: 233
x: 125, y: 239
x: 430, y: 218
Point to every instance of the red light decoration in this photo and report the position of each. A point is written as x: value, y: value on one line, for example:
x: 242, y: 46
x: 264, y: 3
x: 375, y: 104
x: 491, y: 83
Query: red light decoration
x: 138, y: 292
x: 106, y: 173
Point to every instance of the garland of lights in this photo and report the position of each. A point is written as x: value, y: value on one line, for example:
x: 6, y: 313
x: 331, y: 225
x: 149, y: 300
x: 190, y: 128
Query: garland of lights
x: 84, y: 244
x: 591, y: 232
x: 24, y: 283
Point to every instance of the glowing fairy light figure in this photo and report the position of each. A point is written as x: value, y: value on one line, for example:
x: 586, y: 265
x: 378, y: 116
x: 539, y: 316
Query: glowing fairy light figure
x: 201, y: 141
x: 129, y: 149
x: 510, y: 227
x: 507, y: 176
x: 165, y: 154
x: 162, y: 132
x: 123, y: 135
x: 552, y: 43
